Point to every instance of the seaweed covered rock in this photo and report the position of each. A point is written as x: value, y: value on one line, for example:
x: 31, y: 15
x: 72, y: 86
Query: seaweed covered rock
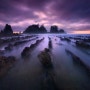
x: 45, y: 58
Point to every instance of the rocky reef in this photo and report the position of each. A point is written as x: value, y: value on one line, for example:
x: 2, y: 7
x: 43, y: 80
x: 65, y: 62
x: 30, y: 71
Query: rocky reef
x: 78, y: 61
x: 54, y: 29
x: 26, y: 51
x: 50, y: 43
x: 45, y: 58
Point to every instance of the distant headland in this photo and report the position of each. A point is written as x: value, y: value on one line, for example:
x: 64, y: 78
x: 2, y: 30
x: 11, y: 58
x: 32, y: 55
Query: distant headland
x: 35, y: 29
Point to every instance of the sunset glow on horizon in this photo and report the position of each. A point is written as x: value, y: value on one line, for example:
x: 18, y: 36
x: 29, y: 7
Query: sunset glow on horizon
x: 81, y: 32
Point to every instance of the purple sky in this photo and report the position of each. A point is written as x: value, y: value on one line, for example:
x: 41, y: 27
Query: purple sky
x: 71, y: 15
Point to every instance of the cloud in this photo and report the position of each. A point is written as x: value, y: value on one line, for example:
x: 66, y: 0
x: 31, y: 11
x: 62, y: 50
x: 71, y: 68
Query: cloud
x: 72, y: 9
x: 70, y: 15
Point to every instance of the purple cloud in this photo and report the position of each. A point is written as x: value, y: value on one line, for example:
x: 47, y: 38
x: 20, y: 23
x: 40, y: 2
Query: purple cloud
x: 70, y: 15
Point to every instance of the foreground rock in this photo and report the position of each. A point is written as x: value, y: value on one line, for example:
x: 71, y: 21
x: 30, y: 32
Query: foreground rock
x: 9, y: 47
x: 26, y: 51
x: 48, y: 81
x: 50, y: 44
x: 6, y: 63
x: 82, y: 44
x: 7, y: 30
x: 78, y: 61
x: 45, y: 58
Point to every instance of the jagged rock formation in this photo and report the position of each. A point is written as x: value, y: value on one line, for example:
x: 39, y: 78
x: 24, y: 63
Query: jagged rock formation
x: 32, y: 29
x: 45, y: 58
x: 35, y: 29
x: 26, y: 51
x: 7, y: 29
x: 54, y: 29
x: 43, y: 29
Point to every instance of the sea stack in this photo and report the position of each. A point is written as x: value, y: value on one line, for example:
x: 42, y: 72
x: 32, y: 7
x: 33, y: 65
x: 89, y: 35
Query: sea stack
x: 8, y: 29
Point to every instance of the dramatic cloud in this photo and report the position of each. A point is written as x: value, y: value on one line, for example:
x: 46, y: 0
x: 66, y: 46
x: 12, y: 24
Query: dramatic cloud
x: 68, y: 14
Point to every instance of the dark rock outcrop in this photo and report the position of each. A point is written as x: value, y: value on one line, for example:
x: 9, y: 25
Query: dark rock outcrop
x: 7, y: 29
x: 82, y: 44
x: 50, y: 43
x: 43, y: 29
x: 35, y: 29
x: 61, y: 31
x: 5, y: 64
x: 78, y: 61
x: 27, y: 50
x: 32, y: 29
x: 9, y: 47
x: 45, y: 58
x: 65, y: 39
x: 54, y: 29
x: 6, y: 61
